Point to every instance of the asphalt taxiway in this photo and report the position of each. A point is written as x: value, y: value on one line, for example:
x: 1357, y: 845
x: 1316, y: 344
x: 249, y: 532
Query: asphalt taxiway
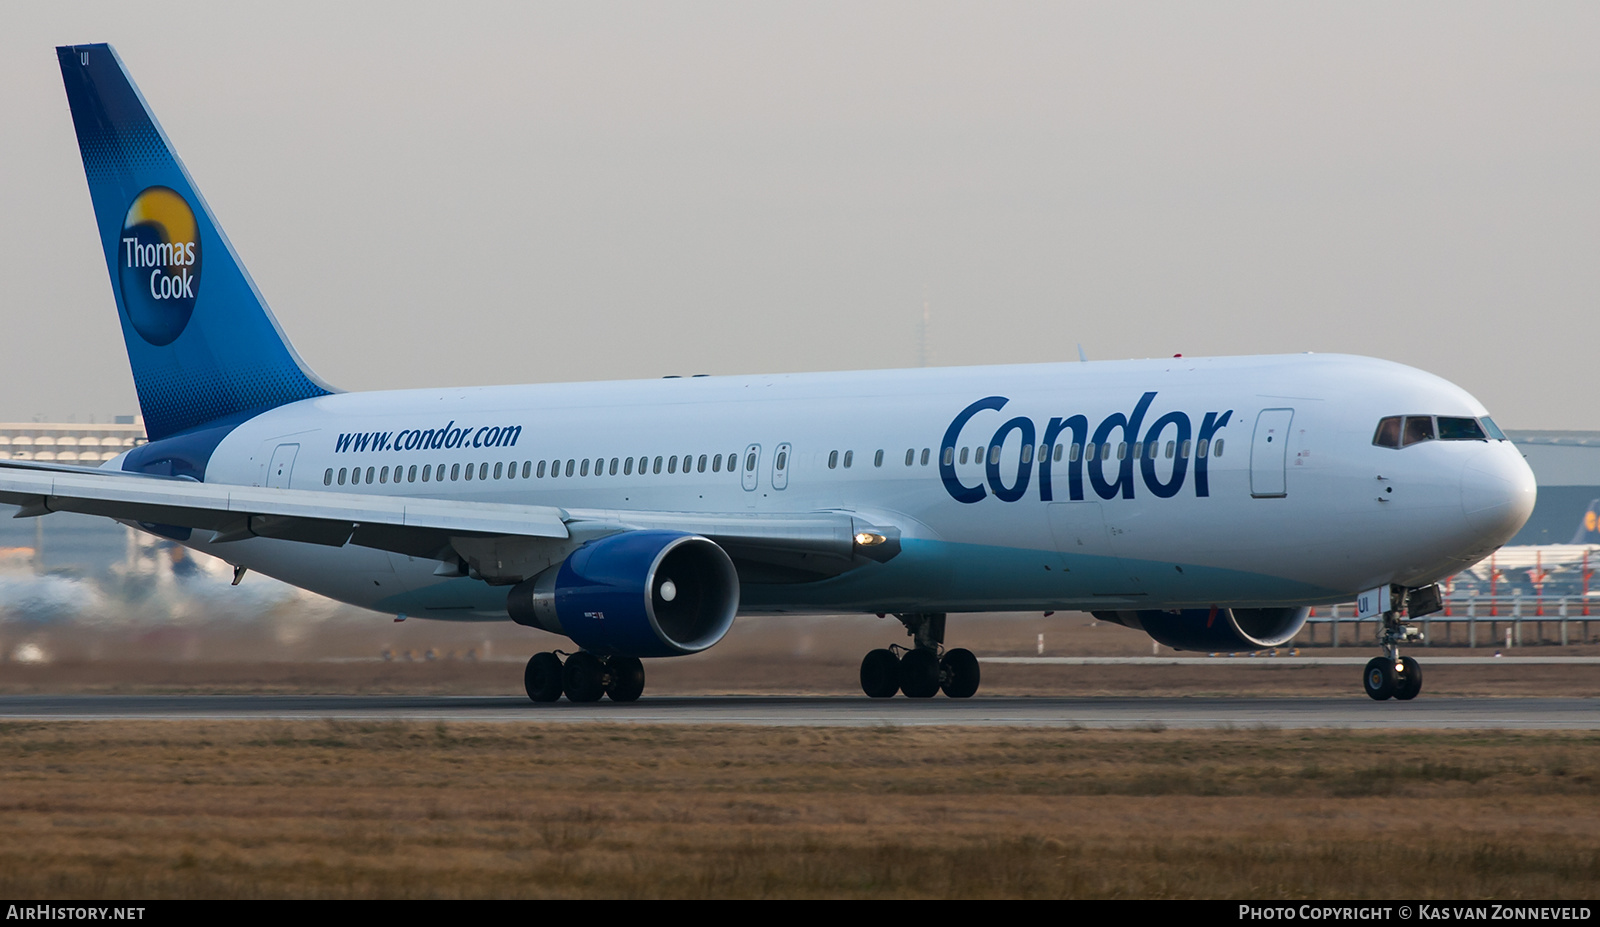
x: 837, y: 711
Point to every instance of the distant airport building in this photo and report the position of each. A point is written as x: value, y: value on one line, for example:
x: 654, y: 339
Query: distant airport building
x: 87, y: 445
x: 1566, y: 465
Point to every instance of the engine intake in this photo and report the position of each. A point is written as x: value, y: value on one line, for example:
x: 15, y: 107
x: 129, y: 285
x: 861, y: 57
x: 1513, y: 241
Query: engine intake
x: 636, y: 594
x: 1218, y: 629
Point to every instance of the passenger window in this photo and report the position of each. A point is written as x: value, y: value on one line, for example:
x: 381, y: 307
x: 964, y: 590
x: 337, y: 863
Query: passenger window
x: 1460, y: 429
x: 994, y: 453
x: 925, y: 456
x: 1171, y: 447
x: 877, y: 459
x: 1200, y: 448
x: 1216, y: 448
x: 700, y: 466
x: 783, y: 460
x: 627, y: 466
x: 911, y: 456
x: 716, y: 464
x: 470, y: 470
x: 411, y: 475
x: 527, y: 465
x: 369, y: 475
x: 1027, y: 453
x: 426, y: 471
x: 964, y: 453
x: 341, y: 476
x: 750, y: 463
x: 497, y: 471
x: 657, y: 468
x: 833, y: 459
x: 672, y: 464
x: 613, y: 468
x: 1419, y: 428
x: 848, y: 457
x: 483, y: 471
x: 1072, y: 455
x: 455, y: 472
x: 327, y: 478
x: 583, y: 469
x: 570, y: 465
x: 1388, y: 433
x: 1183, y: 449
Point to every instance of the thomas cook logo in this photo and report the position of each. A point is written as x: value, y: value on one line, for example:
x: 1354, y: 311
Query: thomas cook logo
x: 159, y: 261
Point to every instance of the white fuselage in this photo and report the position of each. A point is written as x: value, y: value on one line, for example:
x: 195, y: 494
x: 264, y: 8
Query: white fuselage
x: 1297, y: 505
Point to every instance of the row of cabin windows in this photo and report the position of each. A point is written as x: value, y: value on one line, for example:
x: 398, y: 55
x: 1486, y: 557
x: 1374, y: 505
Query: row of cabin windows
x: 540, y: 469
x: 537, y: 469
x: 1071, y: 452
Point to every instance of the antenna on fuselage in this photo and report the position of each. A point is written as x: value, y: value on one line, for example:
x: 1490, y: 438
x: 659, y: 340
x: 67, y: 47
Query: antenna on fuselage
x: 1084, y: 358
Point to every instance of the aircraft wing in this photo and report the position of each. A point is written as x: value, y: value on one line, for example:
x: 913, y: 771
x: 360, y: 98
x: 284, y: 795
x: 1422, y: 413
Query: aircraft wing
x: 501, y: 543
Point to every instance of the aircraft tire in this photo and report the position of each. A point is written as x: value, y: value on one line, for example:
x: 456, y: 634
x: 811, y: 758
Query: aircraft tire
x: 1377, y: 678
x: 627, y: 679
x: 583, y: 677
x: 542, y: 678
x: 1410, y: 681
x: 880, y: 674
x: 919, y: 674
x: 959, y: 673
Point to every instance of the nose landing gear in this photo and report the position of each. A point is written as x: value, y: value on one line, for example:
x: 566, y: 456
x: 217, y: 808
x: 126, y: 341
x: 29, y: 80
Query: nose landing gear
x: 1393, y: 675
x: 923, y: 669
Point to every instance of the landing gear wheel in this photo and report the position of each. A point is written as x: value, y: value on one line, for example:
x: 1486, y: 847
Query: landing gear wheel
x: 1377, y: 678
x: 627, y: 679
x: 542, y: 678
x: 1410, y: 681
x: 919, y: 674
x: 880, y: 674
x: 958, y: 673
x: 583, y: 677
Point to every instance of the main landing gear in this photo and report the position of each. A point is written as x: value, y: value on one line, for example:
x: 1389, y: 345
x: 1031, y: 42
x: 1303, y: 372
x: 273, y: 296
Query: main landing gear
x: 920, y: 671
x: 583, y: 678
x: 1393, y: 675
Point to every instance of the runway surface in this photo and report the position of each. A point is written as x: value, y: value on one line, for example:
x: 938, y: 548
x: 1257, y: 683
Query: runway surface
x: 1356, y: 712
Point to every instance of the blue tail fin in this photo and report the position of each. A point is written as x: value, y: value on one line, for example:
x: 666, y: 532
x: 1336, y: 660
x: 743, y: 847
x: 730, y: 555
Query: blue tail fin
x: 1589, y: 527
x: 202, y: 343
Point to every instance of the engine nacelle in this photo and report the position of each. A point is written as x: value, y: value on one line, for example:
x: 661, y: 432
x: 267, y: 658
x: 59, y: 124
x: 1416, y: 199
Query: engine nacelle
x: 1215, y: 629
x: 635, y: 594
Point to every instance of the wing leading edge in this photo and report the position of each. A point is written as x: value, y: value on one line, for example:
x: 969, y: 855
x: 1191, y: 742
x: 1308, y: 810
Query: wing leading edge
x: 500, y: 543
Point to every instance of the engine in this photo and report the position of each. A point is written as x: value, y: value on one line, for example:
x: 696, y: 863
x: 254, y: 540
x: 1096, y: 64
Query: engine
x: 636, y: 594
x: 1215, y: 629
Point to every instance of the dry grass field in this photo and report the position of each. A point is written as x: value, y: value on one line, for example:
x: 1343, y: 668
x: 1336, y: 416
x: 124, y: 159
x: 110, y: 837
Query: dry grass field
x: 344, y: 810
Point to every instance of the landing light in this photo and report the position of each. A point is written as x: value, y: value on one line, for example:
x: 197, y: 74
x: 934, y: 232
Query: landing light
x: 867, y: 539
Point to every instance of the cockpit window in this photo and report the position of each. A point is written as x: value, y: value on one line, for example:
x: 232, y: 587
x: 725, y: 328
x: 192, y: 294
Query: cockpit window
x: 1419, y: 428
x: 1406, y: 430
x: 1460, y: 429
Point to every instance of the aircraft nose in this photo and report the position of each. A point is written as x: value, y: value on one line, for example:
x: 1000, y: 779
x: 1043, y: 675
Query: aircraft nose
x: 1497, y: 492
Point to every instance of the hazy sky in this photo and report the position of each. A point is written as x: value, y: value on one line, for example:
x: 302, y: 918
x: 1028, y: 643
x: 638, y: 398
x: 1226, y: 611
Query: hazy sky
x: 498, y: 193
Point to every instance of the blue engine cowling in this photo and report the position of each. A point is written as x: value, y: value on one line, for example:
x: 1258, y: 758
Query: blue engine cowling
x: 635, y: 594
x: 1215, y: 629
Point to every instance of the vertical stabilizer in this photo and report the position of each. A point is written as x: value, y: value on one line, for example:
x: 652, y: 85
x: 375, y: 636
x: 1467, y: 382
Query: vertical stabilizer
x: 1589, y: 526
x: 202, y: 343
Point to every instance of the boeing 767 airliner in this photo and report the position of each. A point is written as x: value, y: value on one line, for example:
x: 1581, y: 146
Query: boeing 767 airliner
x: 1210, y: 502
